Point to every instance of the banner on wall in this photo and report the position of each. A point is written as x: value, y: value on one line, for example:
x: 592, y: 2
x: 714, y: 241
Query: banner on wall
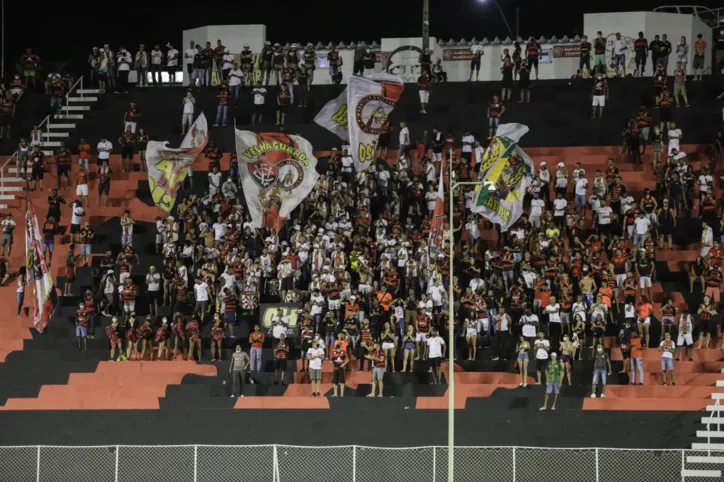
x: 506, y: 171
x: 169, y: 167
x: 563, y: 51
x: 288, y: 311
x: 628, y: 52
x: 277, y: 171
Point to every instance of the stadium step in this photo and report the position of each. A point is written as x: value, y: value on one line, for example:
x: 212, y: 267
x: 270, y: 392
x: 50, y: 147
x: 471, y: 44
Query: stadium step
x: 704, y: 459
x: 700, y: 473
x: 710, y: 433
x: 90, y: 91
x: 707, y: 446
x: 645, y: 404
x: 75, y: 107
x: 82, y: 99
x: 7, y: 197
x: 68, y: 116
x: 51, y: 144
x: 61, y: 126
x: 48, y: 153
x: 55, y: 134
x: 11, y: 189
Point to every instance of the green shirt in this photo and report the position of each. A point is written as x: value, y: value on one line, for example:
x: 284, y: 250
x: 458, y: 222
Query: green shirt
x: 553, y: 372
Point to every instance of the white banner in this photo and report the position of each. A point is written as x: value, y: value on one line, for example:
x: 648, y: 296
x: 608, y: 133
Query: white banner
x: 369, y: 105
x: 333, y: 116
x: 38, y: 276
x: 168, y: 167
x: 278, y: 171
x: 506, y: 171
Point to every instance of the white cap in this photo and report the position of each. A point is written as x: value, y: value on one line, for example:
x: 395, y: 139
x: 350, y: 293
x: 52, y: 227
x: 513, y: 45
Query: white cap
x: 560, y: 164
x: 543, y: 163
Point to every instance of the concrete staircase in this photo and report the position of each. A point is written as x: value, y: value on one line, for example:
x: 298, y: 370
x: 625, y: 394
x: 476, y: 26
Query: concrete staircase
x: 56, y: 128
x: 708, y: 462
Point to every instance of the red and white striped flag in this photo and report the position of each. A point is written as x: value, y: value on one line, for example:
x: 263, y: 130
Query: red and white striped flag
x: 44, y: 296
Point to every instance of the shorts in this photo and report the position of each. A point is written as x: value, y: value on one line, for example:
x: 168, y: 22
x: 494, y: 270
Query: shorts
x: 280, y: 364
x: 523, y: 356
x: 383, y: 140
x: 315, y: 374
x: 685, y: 338
x: 475, y: 64
x: 338, y: 377
x: 85, y: 249
x: 599, y: 376
x: 378, y: 374
x: 7, y: 239
x: 81, y: 190
x: 667, y: 364
x: 599, y: 101
x: 713, y: 292
x: 435, y: 362
x: 698, y: 61
x: 129, y: 306
x: 494, y: 122
x: 37, y: 174
x: 388, y: 345
x: 69, y: 274
x: 647, y: 321
x: 667, y: 320
x: 645, y: 282
x: 104, y: 188
x: 49, y: 245
x: 230, y: 318
x: 74, y: 228
x: 421, y: 336
x: 541, y: 364
x: 81, y: 331
x: 552, y: 387
x: 599, y: 59
x: 64, y: 171
x: 288, y: 283
x: 424, y: 96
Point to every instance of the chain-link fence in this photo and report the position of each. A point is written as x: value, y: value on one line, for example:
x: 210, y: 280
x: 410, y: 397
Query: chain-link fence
x: 286, y: 463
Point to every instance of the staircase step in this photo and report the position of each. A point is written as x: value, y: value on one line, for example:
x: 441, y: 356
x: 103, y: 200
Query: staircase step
x: 715, y: 408
x: 68, y: 116
x: 707, y: 446
x: 55, y: 134
x: 67, y: 108
x: 712, y: 420
x: 90, y: 91
x: 61, y: 126
x: 11, y: 189
x: 48, y: 153
x: 13, y: 179
x: 717, y: 396
x: 704, y: 459
x: 51, y: 144
x: 82, y: 99
x: 700, y: 473
x: 720, y: 383
x: 710, y: 433
x: 7, y: 197
x: 3, y: 206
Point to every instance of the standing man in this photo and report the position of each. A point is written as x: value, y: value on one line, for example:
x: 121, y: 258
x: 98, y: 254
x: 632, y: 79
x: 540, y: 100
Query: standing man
x: 339, y: 361
x: 553, y: 378
x: 585, y: 60
x: 667, y: 349
x: 641, y: 52
x: 8, y: 227
x: 315, y: 355
x: 699, y: 56
x: 256, y: 341
x: 153, y: 287
x: 189, y: 54
x: 619, y: 55
x: 600, y: 95
x: 378, y: 373
x: 86, y: 240
x: 599, y: 53
x: 719, y: 52
x: 534, y: 50
x: 237, y: 370
x: 436, y: 352
x: 601, y: 367
x: 477, y: 53
x: 104, y: 182
x: 423, y: 83
x: 542, y: 347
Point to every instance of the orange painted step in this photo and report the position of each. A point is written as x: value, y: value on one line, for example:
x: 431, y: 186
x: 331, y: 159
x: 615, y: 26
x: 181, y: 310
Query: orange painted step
x: 688, y: 255
x: 183, y: 367
x: 645, y: 404
x: 352, y: 378
x: 688, y: 379
x: 91, y: 380
x: 296, y: 402
x: 653, y: 354
x: 107, y: 390
x: 660, y: 391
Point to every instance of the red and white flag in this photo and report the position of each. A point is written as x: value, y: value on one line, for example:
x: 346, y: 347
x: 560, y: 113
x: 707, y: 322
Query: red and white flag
x: 438, y: 216
x: 38, y: 275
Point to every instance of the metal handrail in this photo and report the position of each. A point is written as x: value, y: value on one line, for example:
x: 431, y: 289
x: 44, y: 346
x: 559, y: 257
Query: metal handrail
x: 708, y: 425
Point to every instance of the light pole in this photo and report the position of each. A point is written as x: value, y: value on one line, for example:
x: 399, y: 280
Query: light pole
x: 505, y: 20
x: 425, y: 24
x: 453, y: 185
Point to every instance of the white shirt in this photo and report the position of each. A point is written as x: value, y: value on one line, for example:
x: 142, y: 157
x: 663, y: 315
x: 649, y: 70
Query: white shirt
x: 382, y: 177
x: 435, y: 345
x: 312, y: 353
x: 581, y: 186
x: 188, y: 105
x: 233, y: 79
x: 8, y: 226
x: 156, y: 57
x: 705, y: 180
x: 405, y: 136
x: 172, y: 58
x: 559, y: 207
x: 674, y: 135
x: 604, y: 215
x: 228, y: 64
x: 153, y: 280
x: 619, y: 46
x: 435, y: 292
x: 201, y: 293
x: 259, y: 95
x: 471, y: 140
x: 536, y: 207
x: 528, y: 323
x: 476, y: 49
x: 540, y: 349
x: 189, y: 55
x: 104, y: 149
x: 78, y: 214
x: 642, y: 225
x: 478, y: 154
x: 668, y: 354
x: 554, y: 313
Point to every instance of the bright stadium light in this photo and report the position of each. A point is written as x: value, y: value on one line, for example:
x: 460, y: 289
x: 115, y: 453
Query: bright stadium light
x: 502, y: 14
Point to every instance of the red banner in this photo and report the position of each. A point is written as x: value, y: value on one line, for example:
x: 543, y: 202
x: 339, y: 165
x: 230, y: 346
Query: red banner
x: 561, y: 51
x: 457, y: 54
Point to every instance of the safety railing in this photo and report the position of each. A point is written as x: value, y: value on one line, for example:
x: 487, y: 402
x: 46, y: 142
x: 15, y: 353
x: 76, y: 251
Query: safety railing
x: 716, y: 416
x: 286, y: 463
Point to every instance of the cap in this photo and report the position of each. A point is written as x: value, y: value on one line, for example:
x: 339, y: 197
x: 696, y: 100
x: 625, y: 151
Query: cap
x: 560, y: 164
x: 543, y: 163
x: 553, y: 355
